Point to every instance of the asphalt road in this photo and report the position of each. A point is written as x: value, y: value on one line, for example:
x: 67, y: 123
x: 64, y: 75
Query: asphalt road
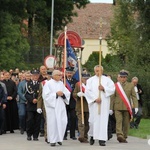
x: 16, y: 141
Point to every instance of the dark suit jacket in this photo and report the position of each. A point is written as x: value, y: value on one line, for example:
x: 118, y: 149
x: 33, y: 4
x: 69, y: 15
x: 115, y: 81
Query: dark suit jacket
x: 32, y: 93
x: 72, y: 103
x: 140, y: 94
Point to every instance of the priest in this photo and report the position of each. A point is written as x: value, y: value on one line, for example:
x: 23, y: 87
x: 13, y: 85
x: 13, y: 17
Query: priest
x: 55, y: 96
x: 98, y: 90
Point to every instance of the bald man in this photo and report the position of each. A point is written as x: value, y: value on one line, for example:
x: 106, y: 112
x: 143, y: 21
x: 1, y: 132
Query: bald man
x: 55, y: 96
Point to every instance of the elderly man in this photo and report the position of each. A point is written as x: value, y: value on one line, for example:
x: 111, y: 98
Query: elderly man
x: 98, y: 90
x: 121, y: 104
x: 55, y: 95
x: 139, y: 91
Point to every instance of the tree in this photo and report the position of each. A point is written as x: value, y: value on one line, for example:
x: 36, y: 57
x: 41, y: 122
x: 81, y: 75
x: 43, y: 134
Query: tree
x: 120, y: 41
x: 130, y: 40
x: 39, y: 14
x: 12, y: 43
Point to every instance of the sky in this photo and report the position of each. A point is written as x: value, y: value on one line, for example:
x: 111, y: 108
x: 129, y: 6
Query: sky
x: 101, y: 1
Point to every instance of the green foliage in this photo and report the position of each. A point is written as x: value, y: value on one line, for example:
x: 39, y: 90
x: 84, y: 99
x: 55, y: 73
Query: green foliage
x: 111, y: 63
x: 92, y: 61
x: 13, y: 46
x: 12, y: 43
x: 129, y: 40
x: 120, y: 41
x: 143, y: 130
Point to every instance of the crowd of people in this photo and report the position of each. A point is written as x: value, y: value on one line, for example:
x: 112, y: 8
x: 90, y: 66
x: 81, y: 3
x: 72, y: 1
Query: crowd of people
x: 47, y: 103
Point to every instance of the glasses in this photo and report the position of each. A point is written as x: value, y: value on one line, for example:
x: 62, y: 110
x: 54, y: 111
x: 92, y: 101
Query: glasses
x: 58, y: 75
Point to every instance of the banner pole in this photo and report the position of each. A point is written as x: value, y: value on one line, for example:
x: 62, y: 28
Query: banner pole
x: 65, y: 55
x: 100, y: 63
x: 80, y: 81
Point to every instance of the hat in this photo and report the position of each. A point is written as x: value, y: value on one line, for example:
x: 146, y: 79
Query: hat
x: 49, y: 72
x: 123, y: 73
x: 85, y: 75
x: 69, y: 69
x: 35, y: 71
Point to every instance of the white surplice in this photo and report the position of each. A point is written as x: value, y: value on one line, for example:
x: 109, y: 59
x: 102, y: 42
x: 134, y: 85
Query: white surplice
x: 55, y: 110
x: 98, y: 122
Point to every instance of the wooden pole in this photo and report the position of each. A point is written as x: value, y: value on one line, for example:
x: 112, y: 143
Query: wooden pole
x: 100, y: 63
x: 80, y: 80
x: 65, y: 55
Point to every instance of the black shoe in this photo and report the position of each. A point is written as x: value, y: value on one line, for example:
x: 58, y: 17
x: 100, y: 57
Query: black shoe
x: 1, y: 132
x: 21, y: 131
x: 29, y: 138
x: 65, y: 138
x: 92, y: 141
x: 60, y: 143
x: 53, y: 144
x: 46, y: 141
x: 42, y: 134
x: 35, y: 139
x: 73, y: 138
x: 102, y: 143
x: 110, y: 136
x: 12, y: 131
x: 136, y: 126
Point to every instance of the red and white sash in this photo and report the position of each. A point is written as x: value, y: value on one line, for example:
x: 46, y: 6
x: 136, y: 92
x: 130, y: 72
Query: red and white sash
x: 124, y: 97
x: 43, y: 82
x: 83, y: 87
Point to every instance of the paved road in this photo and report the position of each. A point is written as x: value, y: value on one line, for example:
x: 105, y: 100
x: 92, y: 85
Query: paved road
x: 16, y: 141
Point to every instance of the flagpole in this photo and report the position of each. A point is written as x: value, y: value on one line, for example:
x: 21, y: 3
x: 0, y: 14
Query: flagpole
x: 100, y: 63
x: 80, y: 81
x: 65, y: 54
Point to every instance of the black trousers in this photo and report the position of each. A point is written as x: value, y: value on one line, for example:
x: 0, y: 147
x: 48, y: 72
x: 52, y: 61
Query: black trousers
x: 72, y: 122
x: 33, y: 124
x: 1, y: 117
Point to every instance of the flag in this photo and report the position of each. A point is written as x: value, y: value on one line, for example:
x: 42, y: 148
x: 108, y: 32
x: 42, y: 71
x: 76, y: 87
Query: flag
x: 72, y: 60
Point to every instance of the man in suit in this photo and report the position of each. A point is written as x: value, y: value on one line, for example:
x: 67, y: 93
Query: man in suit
x: 72, y: 118
x: 121, y: 105
x: 139, y: 91
x: 33, y: 118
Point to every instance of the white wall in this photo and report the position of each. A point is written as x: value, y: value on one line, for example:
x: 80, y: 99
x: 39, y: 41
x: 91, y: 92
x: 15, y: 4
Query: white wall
x: 93, y: 45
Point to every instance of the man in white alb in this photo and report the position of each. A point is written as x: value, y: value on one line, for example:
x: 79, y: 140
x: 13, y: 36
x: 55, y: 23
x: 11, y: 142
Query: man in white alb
x: 98, y: 97
x: 55, y: 95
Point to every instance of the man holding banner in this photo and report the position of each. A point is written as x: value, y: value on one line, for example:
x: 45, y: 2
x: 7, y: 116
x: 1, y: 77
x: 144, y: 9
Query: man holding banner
x: 77, y: 94
x: 72, y: 118
x: 121, y: 104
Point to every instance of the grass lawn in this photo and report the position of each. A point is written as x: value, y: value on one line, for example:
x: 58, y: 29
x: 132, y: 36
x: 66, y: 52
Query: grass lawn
x: 143, y: 131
